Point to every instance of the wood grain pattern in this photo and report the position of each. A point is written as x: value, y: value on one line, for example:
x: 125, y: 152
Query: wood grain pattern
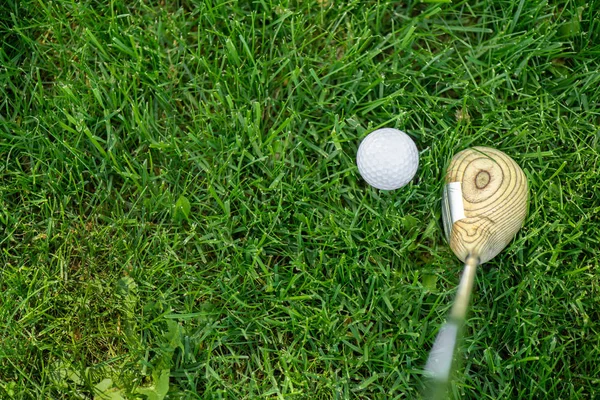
x: 495, y: 199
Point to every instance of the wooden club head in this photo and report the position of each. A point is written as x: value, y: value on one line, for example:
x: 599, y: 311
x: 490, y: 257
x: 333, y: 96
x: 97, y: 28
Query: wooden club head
x: 485, y: 202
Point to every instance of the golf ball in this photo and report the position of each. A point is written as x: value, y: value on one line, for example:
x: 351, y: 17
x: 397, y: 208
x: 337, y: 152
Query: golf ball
x: 387, y: 159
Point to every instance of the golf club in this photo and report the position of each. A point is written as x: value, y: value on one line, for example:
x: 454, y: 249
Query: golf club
x: 485, y: 202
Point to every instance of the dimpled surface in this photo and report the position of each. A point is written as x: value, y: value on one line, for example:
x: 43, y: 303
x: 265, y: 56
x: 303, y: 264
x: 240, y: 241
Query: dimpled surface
x: 387, y: 159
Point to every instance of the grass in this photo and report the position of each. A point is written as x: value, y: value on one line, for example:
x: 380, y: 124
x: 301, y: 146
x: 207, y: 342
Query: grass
x: 182, y: 216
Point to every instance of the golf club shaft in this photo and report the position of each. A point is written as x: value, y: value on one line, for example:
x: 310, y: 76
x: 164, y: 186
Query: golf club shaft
x: 439, y: 363
x: 465, y: 287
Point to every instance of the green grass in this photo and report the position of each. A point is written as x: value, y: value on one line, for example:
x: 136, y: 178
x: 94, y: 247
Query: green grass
x: 180, y: 208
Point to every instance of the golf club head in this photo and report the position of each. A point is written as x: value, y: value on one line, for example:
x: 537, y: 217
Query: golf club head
x: 485, y: 202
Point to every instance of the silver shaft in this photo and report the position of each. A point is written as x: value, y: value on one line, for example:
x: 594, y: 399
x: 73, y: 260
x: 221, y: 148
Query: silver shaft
x: 439, y: 363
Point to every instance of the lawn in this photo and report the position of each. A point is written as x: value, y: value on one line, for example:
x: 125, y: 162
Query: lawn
x: 181, y: 214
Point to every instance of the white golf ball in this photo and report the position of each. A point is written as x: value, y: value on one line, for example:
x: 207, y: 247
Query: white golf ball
x: 387, y: 159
